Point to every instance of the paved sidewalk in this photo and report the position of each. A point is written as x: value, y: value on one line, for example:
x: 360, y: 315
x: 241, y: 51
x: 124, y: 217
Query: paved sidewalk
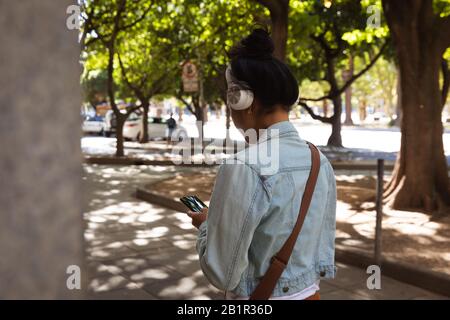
x: 136, y: 250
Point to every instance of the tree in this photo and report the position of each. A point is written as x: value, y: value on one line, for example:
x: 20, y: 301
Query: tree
x: 149, y: 60
x: 385, y: 76
x: 322, y: 40
x: 378, y: 86
x: 421, y: 35
x: 105, y: 20
x: 219, y: 26
x: 149, y: 40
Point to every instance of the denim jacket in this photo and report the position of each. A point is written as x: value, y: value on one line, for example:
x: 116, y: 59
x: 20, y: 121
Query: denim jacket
x: 252, y: 213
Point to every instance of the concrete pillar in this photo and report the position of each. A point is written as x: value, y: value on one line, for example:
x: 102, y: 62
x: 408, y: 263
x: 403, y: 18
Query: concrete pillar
x: 41, y: 224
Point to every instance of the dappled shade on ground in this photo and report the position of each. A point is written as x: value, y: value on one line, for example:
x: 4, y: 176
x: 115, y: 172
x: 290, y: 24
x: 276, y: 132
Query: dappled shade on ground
x: 412, y: 237
x: 136, y: 250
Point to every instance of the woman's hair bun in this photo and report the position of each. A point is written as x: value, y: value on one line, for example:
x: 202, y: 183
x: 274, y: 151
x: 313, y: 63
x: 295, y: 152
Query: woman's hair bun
x: 257, y: 45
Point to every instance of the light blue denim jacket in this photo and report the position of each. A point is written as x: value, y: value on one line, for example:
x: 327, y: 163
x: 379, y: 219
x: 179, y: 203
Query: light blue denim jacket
x: 252, y: 214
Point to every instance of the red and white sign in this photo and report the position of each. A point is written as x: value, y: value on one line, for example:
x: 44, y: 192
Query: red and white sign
x: 190, y: 77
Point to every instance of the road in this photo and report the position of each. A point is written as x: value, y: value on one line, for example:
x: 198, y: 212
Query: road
x: 368, y: 142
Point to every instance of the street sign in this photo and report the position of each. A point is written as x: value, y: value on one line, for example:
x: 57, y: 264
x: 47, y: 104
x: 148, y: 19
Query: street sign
x: 189, y: 77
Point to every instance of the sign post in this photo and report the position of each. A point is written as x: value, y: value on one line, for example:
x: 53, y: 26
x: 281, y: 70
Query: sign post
x: 379, y: 209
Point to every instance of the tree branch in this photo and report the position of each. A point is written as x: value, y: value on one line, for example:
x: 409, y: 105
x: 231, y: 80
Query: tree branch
x: 131, y: 110
x: 360, y: 73
x: 320, y: 39
x: 269, y: 4
x: 89, y: 25
x: 137, y: 90
x: 186, y: 104
x: 313, y: 115
x: 139, y: 19
x: 110, y: 46
x: 87, y: 28
x: 121, y: 7
x: 351, y: 80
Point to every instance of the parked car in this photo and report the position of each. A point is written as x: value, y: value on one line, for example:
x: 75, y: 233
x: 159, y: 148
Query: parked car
x: 157, y: 128
x: 94, y: 124
x: 379, y: 117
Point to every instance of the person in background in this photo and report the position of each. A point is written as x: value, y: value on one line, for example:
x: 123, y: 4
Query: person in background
x: 171, y: 126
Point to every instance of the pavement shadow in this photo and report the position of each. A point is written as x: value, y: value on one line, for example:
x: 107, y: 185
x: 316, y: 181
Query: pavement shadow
x: 135, y: 250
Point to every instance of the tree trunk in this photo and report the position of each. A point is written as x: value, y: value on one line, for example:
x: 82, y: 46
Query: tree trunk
x: 144, y: 133
x: 218, y: 111
x: 227, y: 122
x: 120, y: 118
x: 221, y: 84
x: 398, y: 107
x: 335, y: 139
x: 279, y: 20
x: 348, y: 94
x: 420, y: 177
x: 205, y: 113
x: 199, y: 113
x: 200, y: 123
x: 180, y: 114
x: 362, y: 110
x: 279, y: 10
x: 119, y: 135
x: 325, y: 107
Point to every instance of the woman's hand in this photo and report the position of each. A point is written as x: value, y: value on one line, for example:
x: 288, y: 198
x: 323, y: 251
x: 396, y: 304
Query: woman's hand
x: 198, y: 217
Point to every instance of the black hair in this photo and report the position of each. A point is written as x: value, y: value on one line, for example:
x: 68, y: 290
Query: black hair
x: 270, y: 79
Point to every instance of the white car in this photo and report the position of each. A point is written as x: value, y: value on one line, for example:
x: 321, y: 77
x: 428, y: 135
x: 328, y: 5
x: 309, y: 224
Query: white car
x: 379, y: 117
x: 157, y: 128
x: 93, y: 124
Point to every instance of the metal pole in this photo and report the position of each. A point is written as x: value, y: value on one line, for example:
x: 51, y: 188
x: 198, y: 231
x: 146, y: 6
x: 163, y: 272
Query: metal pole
x: 201, y: 98
x: 379, y: 209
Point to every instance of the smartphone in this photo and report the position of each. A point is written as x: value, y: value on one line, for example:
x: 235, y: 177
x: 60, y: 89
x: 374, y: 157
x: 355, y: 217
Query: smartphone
x: 193, y: 203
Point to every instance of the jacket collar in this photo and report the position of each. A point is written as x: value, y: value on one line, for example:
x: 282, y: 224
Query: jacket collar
x: 276, y: 130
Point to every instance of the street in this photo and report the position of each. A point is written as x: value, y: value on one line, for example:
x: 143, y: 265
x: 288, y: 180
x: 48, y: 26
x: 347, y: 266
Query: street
x: 369, y: 143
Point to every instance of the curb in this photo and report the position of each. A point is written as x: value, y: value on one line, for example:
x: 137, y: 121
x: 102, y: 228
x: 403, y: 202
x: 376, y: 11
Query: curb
x: 139, y: 162
x: 405, y: 272
x: 337, y: 165
x: 154, y: 198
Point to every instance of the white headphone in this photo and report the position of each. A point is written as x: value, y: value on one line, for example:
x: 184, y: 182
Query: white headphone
x: 238, y: 96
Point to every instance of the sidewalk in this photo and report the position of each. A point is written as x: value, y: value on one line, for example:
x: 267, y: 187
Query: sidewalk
x: 158, y: 150
x: 136, y: 250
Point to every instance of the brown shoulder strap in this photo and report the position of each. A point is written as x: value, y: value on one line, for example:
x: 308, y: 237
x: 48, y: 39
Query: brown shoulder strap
x: 265, y: 288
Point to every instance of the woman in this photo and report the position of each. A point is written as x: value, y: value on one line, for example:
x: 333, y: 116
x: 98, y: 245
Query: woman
x: 252, y: 212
